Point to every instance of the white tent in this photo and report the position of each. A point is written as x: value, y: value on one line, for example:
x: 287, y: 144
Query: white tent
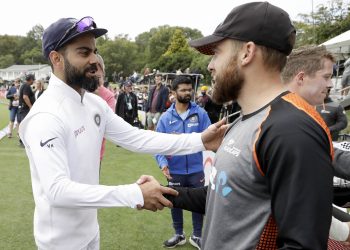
x: 339, y: 45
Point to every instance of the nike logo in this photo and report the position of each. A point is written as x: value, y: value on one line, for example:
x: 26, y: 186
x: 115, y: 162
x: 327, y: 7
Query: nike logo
x: 171, y: 122
x: 42, y: 144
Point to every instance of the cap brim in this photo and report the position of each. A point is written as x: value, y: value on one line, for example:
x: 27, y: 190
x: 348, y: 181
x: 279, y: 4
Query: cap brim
x: 96, y: 32
x: 206, y: 45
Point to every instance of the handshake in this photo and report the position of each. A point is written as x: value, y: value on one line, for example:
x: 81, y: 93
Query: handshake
x: 152, y: 193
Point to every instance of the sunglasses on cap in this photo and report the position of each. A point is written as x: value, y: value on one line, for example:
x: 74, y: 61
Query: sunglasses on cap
x: 83, y: 24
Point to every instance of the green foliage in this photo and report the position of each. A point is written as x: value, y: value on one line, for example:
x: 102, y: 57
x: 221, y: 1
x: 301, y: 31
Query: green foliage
x: 177, y: 61
x: 36, y: 33
x: 166, y: 48
x: 6, y: 60
x: 9, y: 50
x: 199, y: 64
x: 119, y: 55
x: 32, y: 56
x: 327, y: 21
x: 159, y: 43
x: 178, y: 44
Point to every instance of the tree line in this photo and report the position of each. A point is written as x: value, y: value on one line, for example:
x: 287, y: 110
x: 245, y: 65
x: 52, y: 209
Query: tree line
x: 166, y: 48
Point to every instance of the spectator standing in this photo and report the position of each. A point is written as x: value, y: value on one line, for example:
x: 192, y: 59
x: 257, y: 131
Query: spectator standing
x: 104, y: 93
x: 39, y: 88
x: 203, y: 98
x: 102, y: 90
x: 170, y: 99
x: 183, y: 116
x: 156, y: 103
x: 126, y: 106
x: 345, y: 81
x: 26, y: 99
x: 334, y: 115
x: 13, y: 96
x: 205, y: 101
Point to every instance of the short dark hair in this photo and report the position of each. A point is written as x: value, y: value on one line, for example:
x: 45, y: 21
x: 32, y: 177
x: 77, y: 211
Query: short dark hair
x: 29, y: 77
x: 180, y: 79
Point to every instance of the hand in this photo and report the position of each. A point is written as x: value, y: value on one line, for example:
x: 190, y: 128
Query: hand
x: 213, y: 135
x: 144, y: 179
x: 153, y: 192
x: 166, y: 172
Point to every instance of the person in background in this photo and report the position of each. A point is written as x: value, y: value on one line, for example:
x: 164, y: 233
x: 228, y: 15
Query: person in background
x: 63, y: 134
x: 13, y: 96
x: 183, y: 116
x: 26, y: 100
x: 333, y: 114
x: 171, y: 98
x: 308, y: 73
x: 345, y: 81
x: 205, y: 101
x: 156, y: 102
x: 103, y: 92
x: 203, y: 98
x: 126, y: 106
x: 39, y: 88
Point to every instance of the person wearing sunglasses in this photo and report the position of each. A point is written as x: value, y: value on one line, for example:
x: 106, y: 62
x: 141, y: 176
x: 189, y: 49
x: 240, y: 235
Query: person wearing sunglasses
x: 63, y: 134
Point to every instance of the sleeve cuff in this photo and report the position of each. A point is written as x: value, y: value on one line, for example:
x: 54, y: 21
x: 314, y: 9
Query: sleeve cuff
x: 135, y: 195
x: 197, y: 139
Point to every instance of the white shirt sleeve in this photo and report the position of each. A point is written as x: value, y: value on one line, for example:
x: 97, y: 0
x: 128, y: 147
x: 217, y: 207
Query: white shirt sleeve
x: 146, y: 141
x: 51, y: 177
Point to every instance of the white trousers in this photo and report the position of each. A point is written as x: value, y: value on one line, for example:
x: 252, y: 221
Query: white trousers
x: 94, y: 244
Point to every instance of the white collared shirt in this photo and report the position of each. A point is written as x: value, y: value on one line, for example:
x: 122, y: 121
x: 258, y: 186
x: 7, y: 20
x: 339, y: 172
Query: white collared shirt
x: 63, y: 134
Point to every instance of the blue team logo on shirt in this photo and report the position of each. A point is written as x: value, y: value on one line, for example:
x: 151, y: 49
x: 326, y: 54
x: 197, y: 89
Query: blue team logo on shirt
x: 218, y: 182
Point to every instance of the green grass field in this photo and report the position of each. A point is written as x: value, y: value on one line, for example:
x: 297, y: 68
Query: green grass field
x: 121, y: 228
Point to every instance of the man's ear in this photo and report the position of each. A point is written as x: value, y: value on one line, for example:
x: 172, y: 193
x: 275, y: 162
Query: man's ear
x: 300, y: 78
x: 55, y: 57
x: 248, y: 53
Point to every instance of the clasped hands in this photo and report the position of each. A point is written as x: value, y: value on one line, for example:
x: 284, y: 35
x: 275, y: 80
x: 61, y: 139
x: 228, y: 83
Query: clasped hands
x: 153, y: 192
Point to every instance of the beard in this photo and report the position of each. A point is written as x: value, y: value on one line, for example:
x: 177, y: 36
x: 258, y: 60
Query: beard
x: 78, y: 79
x: 228, y: 85
x: 184, y: 100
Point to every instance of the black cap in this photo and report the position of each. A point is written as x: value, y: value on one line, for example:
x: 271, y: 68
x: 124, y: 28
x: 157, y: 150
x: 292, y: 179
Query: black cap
x: 52, y: 36
x: 259, y: 22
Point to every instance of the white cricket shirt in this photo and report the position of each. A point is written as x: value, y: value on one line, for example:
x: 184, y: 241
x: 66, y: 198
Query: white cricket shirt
x: 63, y: 134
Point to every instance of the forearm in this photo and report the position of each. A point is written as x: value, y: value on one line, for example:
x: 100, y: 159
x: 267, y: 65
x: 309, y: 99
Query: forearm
x: 191, y: 199
x: 340, y: 125
x: 146, y: 141
x: 27, y: 101
x: 67, y: 193
x: 341, y: 163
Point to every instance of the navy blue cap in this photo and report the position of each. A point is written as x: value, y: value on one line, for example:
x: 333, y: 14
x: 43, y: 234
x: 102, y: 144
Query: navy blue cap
x: 56, y: 31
